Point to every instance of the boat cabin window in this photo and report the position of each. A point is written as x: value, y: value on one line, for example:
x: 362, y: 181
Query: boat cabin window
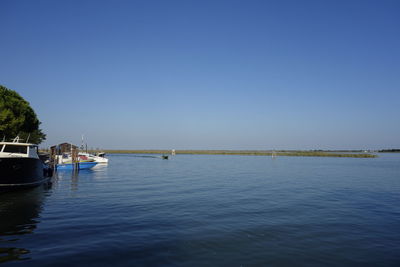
x: 33, y: 151
x: 15, y: 149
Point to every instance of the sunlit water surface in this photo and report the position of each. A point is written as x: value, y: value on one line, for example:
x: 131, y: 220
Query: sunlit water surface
x: 209, y: 211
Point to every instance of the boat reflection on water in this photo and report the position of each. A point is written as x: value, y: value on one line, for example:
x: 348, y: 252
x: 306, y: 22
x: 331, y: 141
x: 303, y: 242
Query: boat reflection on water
x: 65, y: 175
x: 72, y: 176
x: 19, y: 215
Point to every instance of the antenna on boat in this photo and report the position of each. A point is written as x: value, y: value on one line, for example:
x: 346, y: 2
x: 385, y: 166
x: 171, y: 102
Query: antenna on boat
x: 27, y: 139
x: 82, y: 146
x: 4, y: 138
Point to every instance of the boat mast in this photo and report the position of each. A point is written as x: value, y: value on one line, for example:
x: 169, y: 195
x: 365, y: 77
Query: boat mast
x: 82, y: 146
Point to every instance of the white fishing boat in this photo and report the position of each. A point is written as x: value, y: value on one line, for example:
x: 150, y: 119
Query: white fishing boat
x: 98, y: 157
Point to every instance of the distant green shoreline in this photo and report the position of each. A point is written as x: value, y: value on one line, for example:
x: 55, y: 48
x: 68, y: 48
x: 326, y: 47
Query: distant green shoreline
x: 351, y: 154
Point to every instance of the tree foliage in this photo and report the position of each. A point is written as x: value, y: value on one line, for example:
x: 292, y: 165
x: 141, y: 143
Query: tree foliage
x: 18, y: 118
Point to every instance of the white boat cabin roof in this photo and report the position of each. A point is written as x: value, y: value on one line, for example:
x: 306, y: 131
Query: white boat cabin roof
x: 17, y: 144
x: 18, y: 149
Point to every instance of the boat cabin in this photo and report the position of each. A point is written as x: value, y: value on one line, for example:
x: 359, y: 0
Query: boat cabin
x: 63, y: 148
x: 18, y: 150
x: 64, y: 152
x: 101, y: 154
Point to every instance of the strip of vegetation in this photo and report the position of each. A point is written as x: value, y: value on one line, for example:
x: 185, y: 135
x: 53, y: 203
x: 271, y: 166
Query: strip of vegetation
x: 248, y: 153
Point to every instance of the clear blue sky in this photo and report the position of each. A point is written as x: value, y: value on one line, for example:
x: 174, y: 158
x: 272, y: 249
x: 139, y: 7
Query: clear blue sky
x: 207, y: 74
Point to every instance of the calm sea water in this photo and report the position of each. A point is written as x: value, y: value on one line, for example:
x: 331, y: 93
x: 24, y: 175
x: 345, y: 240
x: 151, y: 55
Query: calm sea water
x: 209, y: 211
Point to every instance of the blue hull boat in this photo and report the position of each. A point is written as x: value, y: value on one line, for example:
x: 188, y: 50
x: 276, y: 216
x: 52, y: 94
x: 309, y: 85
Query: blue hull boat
x: 81, y: 165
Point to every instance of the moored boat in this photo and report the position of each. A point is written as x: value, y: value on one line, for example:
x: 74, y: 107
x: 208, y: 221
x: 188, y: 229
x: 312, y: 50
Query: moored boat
x: 79, y: 165
x: 99, y: 157
x: 66, y: 156
x: 65, y: 162
x: 20, y: 166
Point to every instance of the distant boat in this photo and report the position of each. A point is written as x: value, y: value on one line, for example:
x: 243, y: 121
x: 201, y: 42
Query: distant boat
x: 20, y: 166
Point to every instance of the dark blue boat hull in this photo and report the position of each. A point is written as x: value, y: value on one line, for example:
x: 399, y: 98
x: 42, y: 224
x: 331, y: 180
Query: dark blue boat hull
x: 16, y: 173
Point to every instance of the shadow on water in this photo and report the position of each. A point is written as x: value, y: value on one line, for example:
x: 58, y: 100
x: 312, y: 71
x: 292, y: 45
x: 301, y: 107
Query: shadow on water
x: 19, y: 213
